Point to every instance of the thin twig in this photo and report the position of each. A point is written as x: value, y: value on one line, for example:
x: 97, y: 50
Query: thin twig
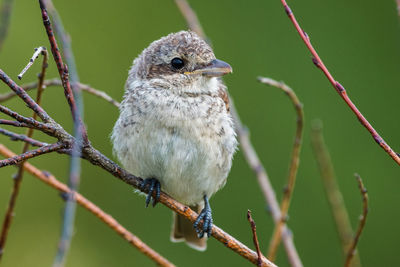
x: 19, y: 176
x: 79, y: 133
x: 255, y: 239
x: 251, y: 156
x: 24, y: 96
x: 38, y: 51
x: 63, y: 72
x: 190, y: 17
x: 31, y: 154
x: 338, y: 87
x: 294, y: 164
x: 90, y: 206
x: 332, y: 191
x: 57, y: 82
x: 21, y: 137
x: 363, y: 219
x: 25, y: 121
x: 5, y: 13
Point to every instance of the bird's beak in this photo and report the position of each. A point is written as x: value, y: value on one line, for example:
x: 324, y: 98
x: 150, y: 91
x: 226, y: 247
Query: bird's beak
x: 216, y: 68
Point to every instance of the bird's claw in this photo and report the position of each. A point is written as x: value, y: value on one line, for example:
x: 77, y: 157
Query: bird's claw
x: 154, y: 185
x: 206, y: 215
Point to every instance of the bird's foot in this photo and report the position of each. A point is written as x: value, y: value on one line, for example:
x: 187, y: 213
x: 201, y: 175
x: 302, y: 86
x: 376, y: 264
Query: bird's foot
x: 206, y: 215
x: 154, y: 185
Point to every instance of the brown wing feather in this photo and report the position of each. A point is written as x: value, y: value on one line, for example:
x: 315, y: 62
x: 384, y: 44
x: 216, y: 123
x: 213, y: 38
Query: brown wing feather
x: 224, y: 95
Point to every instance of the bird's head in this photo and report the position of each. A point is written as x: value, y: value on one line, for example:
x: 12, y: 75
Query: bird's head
x: 180, y: 61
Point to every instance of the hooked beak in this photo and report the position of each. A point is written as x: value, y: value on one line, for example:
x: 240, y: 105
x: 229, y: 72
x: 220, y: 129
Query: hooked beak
x: 216, y: 68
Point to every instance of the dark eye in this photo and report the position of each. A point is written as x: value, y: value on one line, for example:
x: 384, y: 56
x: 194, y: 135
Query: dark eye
x: 177, y: 63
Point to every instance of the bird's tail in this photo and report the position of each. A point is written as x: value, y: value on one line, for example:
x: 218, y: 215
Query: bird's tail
x: 182, y: 230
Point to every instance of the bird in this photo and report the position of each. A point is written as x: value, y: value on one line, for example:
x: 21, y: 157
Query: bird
x: 175, y: 128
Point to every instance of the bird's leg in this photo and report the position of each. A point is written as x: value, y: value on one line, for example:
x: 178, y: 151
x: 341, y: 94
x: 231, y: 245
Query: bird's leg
x: 154, y: 185
x: 206, y: 215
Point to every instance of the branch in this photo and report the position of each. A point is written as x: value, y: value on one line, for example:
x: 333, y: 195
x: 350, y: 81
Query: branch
x: 20, y: 137
x: 18, y: 177
x: 363, y: 219
x: 338, y: 87
x: 85, y: 203
x: 5, y: 11
x: 255, y: 239
x: 192, y: 21
x: 22, y: 121
x: 25, y: 97
x: 294, y: 165
x: 332, y: 191
x: 38, y: 51
x: 31, y: 154
x: 251, y: 156
x: 57, y: 82
x: 63, y: 72
x: 74, y: 98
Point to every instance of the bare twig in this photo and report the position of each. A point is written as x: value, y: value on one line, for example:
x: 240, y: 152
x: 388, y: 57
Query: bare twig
x: 63, y: 72
x: 18, y: 177
x: 31, y: 154
x: 25, y: 97
x: 38, y: 51
x: 363, y: 219
x: 5, y: 13
x: 255, y: 239
x: 294, y: 165
x: 79, y: 129
x: 57, y: 82
x: 14, y: 137
x: 334, y: 196
x: 85, y: 203
x: 338, y: 87
x: 25, y: 122
x: 190, y: 17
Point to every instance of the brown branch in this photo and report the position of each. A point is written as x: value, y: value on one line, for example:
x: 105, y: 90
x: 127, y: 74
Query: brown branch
x: 21, y: 137
x: 57, y: 82
x: 25, y: 97
x: 64, y: 74
x: 332, y: 191
x: 85, y: 203
x: 255, y: 239
x: 31, y: 154
x: 26, y: 122
x: 338, y: 87
x: 79, y: 133
x: 363, y: 219
x: 294, y: 165
x: 19, y: 176
x: 251, y: 155
x: 15, y: 123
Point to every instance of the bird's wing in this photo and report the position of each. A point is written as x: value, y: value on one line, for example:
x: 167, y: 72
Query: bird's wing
x: 224, y: 95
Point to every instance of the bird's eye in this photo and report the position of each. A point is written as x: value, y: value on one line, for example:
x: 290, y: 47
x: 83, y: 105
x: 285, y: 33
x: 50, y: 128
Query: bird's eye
x: 177, y: 63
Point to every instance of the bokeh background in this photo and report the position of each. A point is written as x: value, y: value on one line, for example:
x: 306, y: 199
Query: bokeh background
x: 359, y: 42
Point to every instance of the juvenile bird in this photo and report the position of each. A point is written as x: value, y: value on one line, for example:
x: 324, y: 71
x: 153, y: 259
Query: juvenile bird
x: 175, y: 128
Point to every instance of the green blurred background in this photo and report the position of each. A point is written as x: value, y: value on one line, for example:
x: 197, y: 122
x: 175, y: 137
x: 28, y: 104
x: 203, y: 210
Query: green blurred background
x: 359, y: 42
